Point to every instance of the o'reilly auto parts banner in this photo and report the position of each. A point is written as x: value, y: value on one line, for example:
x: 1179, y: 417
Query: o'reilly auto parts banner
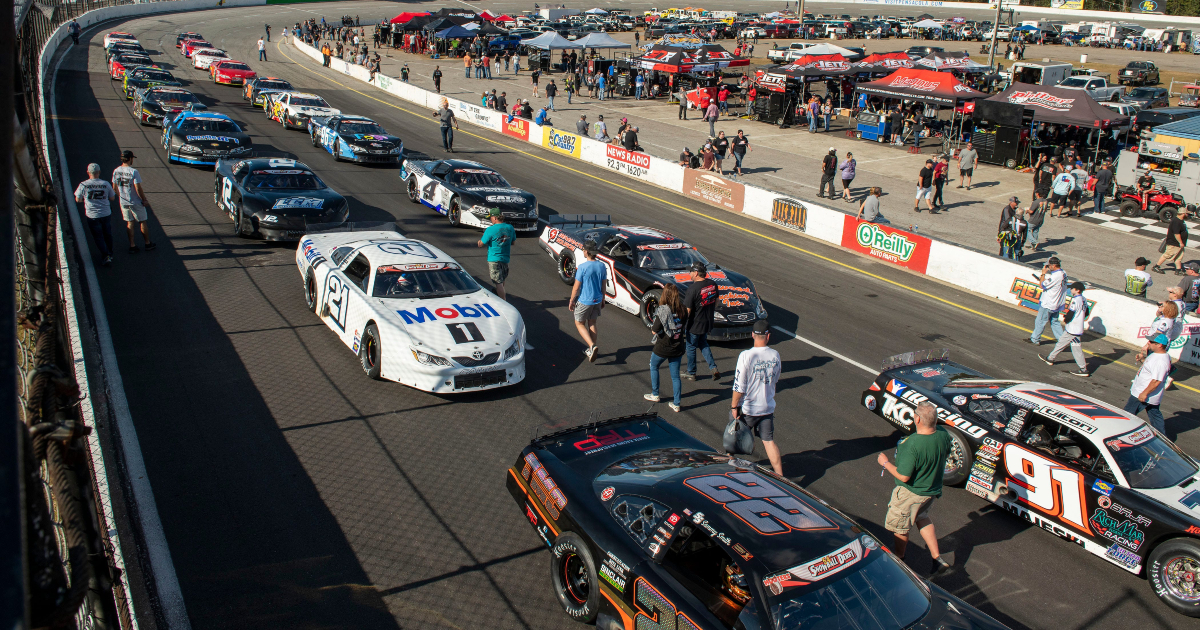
x: 886, y: 243
x: 713, y: 190
x: 630, y: 163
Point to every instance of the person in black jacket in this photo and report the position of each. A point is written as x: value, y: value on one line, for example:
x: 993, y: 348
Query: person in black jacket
x: 828, y: 169
x: 1176, y: 241
x: 669, y: 343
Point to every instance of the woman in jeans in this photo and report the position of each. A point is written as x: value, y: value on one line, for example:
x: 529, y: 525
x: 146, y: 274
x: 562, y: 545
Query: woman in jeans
x: 668, y: 343
x: 847, y: 169
x: 939, y: 180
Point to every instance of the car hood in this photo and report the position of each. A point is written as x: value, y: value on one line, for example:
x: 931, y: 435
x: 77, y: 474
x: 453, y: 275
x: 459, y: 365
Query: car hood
x: 457, y: 326
x: 370, y: 141
x: 1173, y: 497
x: 174, y: 107
x: 314, y: 111
x: 735, y: 295
x: 215, y: 140
x: 500, y: 197
x: 297, y: 203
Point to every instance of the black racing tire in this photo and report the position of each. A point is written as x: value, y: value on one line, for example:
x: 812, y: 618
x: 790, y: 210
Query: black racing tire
x: 1115, y: 98
x: 962, y: 457
x: 1131, y: 208
x: 310, y: 291
x: 237, y: 220
x: 370, y: 352
x: 313, y: 137
x: 649, y: 304
x: 414, y: 190
x: 573, y: 573
x: 454, y: 213
x: 1168, y: 568
x: 566, y: 266
x: 1167, y: 212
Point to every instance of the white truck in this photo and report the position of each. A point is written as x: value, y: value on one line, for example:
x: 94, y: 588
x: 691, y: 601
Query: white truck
x: 791, y: 53
x: 1040, y: 73
x: 1096, y: 86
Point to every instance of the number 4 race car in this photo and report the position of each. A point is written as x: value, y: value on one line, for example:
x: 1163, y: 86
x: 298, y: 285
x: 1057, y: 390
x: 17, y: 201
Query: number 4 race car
x: 1075, y: 466
x: 641, y: 262
x: 275, y: 199
x: 650, y: 528
x: 354, y: 138
x: 410, y: 312
x: 464, y: 191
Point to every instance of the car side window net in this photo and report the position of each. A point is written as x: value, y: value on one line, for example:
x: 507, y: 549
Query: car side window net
x: 357, y: 272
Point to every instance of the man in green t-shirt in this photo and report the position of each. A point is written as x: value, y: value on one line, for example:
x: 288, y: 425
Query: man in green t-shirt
x: 920, y: 463
x: 498, y: 239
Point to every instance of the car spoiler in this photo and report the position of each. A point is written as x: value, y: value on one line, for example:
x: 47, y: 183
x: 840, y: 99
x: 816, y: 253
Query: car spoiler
x: 355, y: 226
x: 590, y: 424
x: 915, y: 357
x: 578, y: 220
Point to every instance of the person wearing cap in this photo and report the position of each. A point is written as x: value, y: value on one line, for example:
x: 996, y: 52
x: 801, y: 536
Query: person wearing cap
x: 96, y: 195
x: 498, y: 238
x: 1145, y: 393
x: 1053, y: 282
x: 600, y: 129
x: 925, y: 188
x: 829, y: 166
x: 543, y: 116
x: 754, y: 382
x: 685, y: 158
x: 1075, y: 197
x: 587, y: 298
x: 134, y: 207
x: 1136, y: 279
x: 1060, y: 190
x: 701, y: 303
x: 1174, y: 243
x: 1103, y: 186
x: 1075, y: 317
x: 1012, y: 231
x: 582, y: 126
x: 1189, y: 286
x: 1035, y: 216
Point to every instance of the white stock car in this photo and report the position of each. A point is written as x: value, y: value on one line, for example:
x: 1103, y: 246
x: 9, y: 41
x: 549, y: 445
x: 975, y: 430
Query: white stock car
x: 203, y: 58
x: 410, y: 312
x: 293, y: 109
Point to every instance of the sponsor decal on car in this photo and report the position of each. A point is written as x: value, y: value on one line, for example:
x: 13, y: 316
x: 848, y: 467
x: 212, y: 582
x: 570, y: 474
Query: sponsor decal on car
x: 771, y: 511
x: 607, y: 493
x: 543, y: 486
x: 604, y: 441
x: 1131, y: 439
x: 822, y: 567
x: 1123, y: 557
x: 298, y: 202
x: 424, y: 314
x: 959, y: 400
x: 1124, y: 532
x: 1103, y: 487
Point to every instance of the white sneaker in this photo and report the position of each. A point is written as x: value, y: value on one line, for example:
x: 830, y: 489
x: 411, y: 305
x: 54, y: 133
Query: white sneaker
x: 651, y: 397
x: 591, y: 355
x: 673, y: 407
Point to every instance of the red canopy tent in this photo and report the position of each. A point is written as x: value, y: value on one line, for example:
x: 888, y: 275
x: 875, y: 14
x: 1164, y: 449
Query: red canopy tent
x: 817, y: 66
x: 884, y: 62
x: 928, y: 86
x: 673, y: 58
x: 406, y: 16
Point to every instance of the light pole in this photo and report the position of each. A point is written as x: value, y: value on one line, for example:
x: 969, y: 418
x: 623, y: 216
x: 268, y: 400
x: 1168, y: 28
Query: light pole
x: 995, y: 33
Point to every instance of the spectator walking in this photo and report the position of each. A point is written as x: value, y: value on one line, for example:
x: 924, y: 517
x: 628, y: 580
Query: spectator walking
x: 404, y: 72
x: 268, y: 29
x: 940, y: 167
x: 754, y: 382
x: 968, y: 159
x: 1136, y: 279
x: 701, y: 303
x: 868, y: 210
x: 75, y: 30
x: 582, y: 126
x: 925, y: 188
x: 533, y: 78
x: 829, y: 167
x: 551, y: 92
x: 720, y: 148
x: 740, y: 146
x: 446, y: 117
x: 847, y: 168
x: 1145, y: 393
x: 517, y: 63
x: 437, y: 76
x: 127, y: 182
x: 1060, y: 193
x: 570, y: 87
x: 1075, y: 318
x: 920, y: 464
x: 96, y: 195
x: 1174, y: 243
x: 1053, y: 281
x: 1035, y: 217
x: 1075, y: 197
x: 262, y: 50
x: 669, y: 343
x: 587, y: 298
x: 1189, y: 287
x: 498, y: 239
x: 683, y: 103
x: 711, y: 113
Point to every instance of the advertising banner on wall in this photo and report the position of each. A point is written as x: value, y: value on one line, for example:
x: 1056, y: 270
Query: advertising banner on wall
x: 515, y: 127
x: 1072, y: 5
x: 713, y: 190
x: 562, y: 142
x: 630, y: 163
x: 479, y: 115
x: 789, y: 213
x: 886, y: 243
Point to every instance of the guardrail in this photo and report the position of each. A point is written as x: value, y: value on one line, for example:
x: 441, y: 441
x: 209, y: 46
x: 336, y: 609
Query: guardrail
x: 1114, y: 314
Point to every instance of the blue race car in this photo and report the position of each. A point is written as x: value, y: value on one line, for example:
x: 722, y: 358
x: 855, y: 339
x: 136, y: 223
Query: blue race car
x: 203, y: 138
x: 354, y: 138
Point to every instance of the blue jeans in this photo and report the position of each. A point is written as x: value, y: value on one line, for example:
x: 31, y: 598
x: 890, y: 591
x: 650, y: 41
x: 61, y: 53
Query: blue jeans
x: 826, y: 122
x: 468, y: 72
x: 262, y: 55
x: 1031, y: 238
x: 672, y: 365
x: 1039, y: 324
x: 551, y: 99
x: 700, y: 342
x: 569, y: 93
x: 812, y: 122
x: 1098, y: 202
x: 723, y: 106
x: 447, y: 137
x: 602, y: 91
x: 637, y: 96
x: 1135, y: 406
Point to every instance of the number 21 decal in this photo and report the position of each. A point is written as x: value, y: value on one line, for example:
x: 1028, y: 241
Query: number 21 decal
x: 1047, y: 486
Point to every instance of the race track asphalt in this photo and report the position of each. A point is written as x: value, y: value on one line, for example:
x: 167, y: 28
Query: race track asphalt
x: 295, y: 492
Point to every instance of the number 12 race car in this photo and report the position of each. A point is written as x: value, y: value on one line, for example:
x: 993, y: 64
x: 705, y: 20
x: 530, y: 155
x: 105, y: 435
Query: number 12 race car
x: 275, y: 199
x: 641, y: 262
x: 410, y: 312
x: 650, y: 528
x: 1077, y: 467
x: 464, y: 191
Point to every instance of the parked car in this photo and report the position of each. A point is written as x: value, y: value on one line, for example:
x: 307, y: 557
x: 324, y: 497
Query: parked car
x: 1148, y: 97
x: 1096, y: 87
x: 1125, y: 109
x: 1139, y: 73
x: 1150, y: 118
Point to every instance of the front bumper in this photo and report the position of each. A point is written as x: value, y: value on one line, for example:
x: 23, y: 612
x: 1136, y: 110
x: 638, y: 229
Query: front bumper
x: 726, y: 331
x: 371, y: 158
x: 442, y: 380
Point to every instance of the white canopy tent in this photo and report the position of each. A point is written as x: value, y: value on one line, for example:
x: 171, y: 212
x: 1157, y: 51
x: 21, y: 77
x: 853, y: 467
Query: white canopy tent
x: 601, y: 40
x: 550, y: 40
x: 927, y: 24
x: 829, y: 49
x: 596, y: 11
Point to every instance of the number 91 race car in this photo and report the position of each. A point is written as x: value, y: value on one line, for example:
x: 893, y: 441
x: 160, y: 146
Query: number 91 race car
x: 410, y: 312
x: 650, y: 528
x: 464, y: 191
x: 1077, y: 467
x: 275, y: 199
x: 354, y: 138
x: 641, y: 262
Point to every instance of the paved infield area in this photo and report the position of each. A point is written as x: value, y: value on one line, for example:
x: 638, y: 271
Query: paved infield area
x: 295, y: 492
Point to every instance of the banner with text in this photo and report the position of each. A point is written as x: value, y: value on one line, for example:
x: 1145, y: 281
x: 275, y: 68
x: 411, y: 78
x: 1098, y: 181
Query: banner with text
x: 886, y: 243
x: 562, y: 142
x: 713, y: 190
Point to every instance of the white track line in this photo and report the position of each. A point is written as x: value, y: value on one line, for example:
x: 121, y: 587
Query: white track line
x: 818, y: 346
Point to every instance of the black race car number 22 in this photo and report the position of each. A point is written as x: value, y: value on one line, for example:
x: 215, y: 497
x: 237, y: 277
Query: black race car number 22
x: 336, y: 294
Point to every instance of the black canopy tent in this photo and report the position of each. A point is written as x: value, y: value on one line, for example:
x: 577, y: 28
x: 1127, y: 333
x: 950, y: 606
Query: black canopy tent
x: 415, y: 24
x: 1044, y: 104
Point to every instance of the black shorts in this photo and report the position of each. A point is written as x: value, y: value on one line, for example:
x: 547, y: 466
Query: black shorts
x: 965, y: 172
x: 1058, y: 199
x: 1075, y: 195
x: 762, y: 426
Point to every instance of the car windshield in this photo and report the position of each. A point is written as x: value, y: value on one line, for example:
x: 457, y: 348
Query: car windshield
x: 155, y: 75
x: 1149, y: 460
x: 1074, y: 82
x: 363, y: 127
x: 475, y: 177
x: 212, y: 125
x: 1143, y: 93
x: 678, y: 258
x: 274, y: 85
x: 401, y: 281
x: 173, y: 98
x: 213, y: 53
x: 285, y: 180
x: 877, y: 595
x: 133, y: 60
x: 199, y: 43
x: 309, y: 101
x: 234, y: 66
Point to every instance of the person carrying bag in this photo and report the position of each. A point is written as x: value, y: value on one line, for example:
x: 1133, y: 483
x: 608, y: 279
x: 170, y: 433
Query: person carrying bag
x: 668, y: 340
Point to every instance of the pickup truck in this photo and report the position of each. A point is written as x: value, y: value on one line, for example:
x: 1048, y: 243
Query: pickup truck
x: 1096, y: 87
x: 780, y: 55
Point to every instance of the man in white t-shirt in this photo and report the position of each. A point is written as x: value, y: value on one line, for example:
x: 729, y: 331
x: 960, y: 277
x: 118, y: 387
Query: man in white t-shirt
x: 754, y: 383
x: 1150, y: 382
x: 128, y: 183
x: 1137, y: 280
x: 262, y: 50
x: 1054, y: 285
x: 1075, y: 317
x: 96, y: 195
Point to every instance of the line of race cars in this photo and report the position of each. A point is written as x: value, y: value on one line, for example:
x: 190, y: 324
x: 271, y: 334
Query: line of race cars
x: 661, y: 530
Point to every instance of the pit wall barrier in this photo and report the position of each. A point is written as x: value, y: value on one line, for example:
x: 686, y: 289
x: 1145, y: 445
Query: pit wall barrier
x: 1114, y: 314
